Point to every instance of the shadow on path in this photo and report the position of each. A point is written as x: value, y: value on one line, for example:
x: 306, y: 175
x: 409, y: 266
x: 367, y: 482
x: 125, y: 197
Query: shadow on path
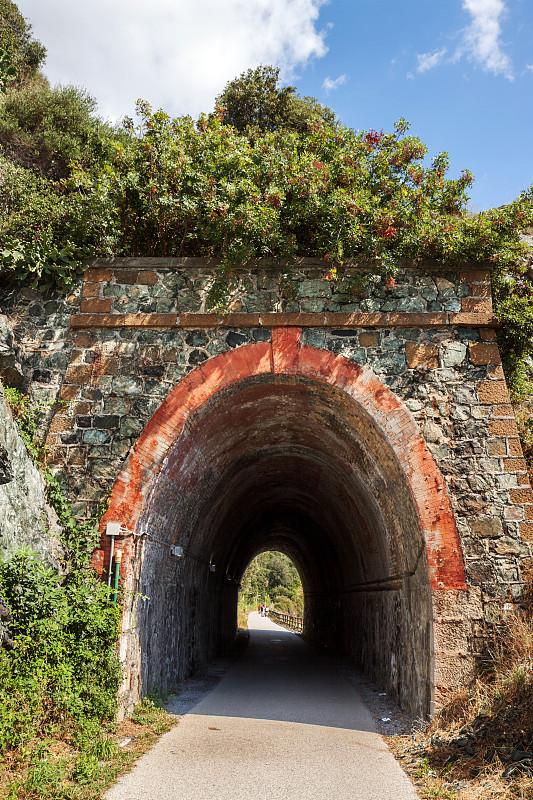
x: 280, y: 677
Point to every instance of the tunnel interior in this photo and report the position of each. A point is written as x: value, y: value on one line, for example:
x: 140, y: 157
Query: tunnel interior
x: 280, y: 462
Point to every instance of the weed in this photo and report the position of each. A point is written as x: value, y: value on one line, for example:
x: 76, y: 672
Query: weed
x: 481, y: 741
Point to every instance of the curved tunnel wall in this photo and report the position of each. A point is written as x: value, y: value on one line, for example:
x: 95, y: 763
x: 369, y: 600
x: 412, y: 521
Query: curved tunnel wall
x: 276, y: 455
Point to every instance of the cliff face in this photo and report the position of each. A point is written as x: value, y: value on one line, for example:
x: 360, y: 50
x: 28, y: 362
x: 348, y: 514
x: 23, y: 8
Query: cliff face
x: 26, y: 519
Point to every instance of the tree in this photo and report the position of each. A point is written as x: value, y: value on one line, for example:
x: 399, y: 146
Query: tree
x: 25, y: 53
x: 271, y: 575
x: 255, y: 103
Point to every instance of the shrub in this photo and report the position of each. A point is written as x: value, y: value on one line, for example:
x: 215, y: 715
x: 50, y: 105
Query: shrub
x: 62, y: 667
x: 46, y: 129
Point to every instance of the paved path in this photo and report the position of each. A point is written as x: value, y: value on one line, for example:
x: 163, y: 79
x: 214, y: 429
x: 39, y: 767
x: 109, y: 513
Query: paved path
x: 282, y: 724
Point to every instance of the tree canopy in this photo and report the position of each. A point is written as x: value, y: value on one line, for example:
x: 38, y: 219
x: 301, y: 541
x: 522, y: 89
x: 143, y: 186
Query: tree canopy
x: 24, y: 53
x: 255, y: 103
x: 272, y: 579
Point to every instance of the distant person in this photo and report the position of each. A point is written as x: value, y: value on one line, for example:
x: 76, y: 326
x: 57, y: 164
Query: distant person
x: 267, y: 609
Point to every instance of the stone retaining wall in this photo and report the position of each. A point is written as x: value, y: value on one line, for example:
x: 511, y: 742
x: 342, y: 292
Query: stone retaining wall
x: 110, y: 373
x: 113, y: 351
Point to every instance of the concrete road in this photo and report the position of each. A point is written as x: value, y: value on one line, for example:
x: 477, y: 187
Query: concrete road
x: 282, y: 724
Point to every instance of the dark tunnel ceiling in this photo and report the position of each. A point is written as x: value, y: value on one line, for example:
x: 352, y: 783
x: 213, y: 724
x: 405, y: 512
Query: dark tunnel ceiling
x: 281, y: 462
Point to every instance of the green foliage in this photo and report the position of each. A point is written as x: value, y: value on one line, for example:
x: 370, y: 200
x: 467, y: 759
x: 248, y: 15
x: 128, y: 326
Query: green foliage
x: 46, y: 129
x: 306, y: 186
x: 29, y: 415
x: 271, y: 578
x: 7, y: 70
x: 36, y: 221
x: 177, y: 188
x: 255, y: 103
x: 62, y: 667
x: 512, y: 289
x: 25, y: 53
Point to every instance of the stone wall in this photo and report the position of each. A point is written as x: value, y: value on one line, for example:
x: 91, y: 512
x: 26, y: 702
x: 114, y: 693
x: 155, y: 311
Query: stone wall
x: 112, y: 367
x: 165, y: 286
x: 112, y: 352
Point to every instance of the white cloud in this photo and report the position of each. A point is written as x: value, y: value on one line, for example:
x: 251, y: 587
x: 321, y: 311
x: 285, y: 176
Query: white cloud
x: 329, y: 84
x: 177, y: 54
x: 428, y: 61
x: 481, y: 40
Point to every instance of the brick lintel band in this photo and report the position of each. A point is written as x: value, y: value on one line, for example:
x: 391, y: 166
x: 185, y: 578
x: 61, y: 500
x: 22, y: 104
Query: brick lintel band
x: 281, y: 319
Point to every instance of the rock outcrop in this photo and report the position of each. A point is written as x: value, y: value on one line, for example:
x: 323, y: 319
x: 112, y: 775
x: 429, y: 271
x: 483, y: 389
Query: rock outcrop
x: 26, y: 520
x: 10, y: 369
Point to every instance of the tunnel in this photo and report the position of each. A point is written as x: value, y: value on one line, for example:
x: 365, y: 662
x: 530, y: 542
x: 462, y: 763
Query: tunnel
x: 284, y: 462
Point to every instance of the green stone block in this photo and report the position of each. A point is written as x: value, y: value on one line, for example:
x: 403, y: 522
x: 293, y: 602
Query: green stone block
x: 189, y: 301
x: 389, y: 363
x: 267, y: 282
x: 174, y: 283
x: 411, y: 304
x: 127, y: 386
x: 98, y: 451
x: 114, y: 290
x: 452, y: 305
x: 131, y: 426
x: 160, y: 291
x: 149, y: 337
x: 402, y: 291
x: 121, y: 448
x: 104, y: 468
x: 116, y: 405
x: 390, y: 344
x: 197, y: 338
x: 79, y: 509
x: 314, y: 337
x: 370, y: 304
x: 56, y: 360
x: 165, y: 305
x: 357, y: 354
x: 95, y: 436
x: 313, y: 305
x: 314, y: 289
x: 454, y: 354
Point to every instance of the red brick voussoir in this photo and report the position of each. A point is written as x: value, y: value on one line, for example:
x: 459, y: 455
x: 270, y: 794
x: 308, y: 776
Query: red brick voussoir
x: 285, y: 355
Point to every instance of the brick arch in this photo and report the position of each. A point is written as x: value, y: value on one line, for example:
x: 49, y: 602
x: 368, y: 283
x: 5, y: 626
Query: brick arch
x: 286, y: 355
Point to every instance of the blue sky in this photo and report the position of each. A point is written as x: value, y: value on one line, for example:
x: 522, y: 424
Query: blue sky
x: 460, y: 71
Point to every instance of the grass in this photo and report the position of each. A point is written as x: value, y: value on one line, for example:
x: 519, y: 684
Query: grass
x: 480, y: 745
x: 242, y: 615
x: 81, y: 765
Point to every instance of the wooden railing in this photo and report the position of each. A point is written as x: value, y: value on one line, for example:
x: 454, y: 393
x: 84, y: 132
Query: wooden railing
x: 287, y: 620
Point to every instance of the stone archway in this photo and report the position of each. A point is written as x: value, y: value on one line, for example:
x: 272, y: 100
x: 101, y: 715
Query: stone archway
x: 298, y: 449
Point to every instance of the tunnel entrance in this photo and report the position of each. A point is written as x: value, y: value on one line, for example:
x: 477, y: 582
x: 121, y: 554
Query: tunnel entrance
x: 326, y: 466
x: 288, y: 464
